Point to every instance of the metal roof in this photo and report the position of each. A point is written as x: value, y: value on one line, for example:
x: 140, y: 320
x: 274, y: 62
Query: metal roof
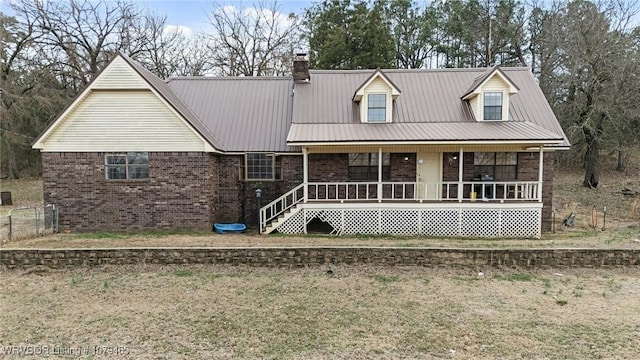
x: 429, y: 96
x: 246, y: 113
x: 521, y: 132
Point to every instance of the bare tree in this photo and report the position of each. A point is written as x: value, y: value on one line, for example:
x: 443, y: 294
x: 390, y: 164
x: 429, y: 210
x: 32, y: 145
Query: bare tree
x: 29, y: 95
x: 591, y: 76
x: 256, y: 41
x: 78, y: 35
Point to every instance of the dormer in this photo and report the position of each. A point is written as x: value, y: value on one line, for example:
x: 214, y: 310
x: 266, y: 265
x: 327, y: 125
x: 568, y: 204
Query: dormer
x: 376, y: 96
x: 489, y: 95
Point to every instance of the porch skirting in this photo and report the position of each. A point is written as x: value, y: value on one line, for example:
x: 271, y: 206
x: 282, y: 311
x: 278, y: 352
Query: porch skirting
x: 467, y: 220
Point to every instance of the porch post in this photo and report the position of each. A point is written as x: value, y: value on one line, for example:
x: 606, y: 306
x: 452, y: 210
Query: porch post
x: 305, y: 172
x: 379, y: 174
x: 460, y: 174
x: 540, y: 174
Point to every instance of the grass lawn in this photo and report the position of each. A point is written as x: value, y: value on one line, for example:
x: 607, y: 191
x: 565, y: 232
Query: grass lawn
x: 219, y: 312
x: 622, y: 238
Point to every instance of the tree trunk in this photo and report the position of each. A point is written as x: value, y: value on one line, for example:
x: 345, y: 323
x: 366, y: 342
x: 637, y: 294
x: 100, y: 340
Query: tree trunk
x: 12, y: 164
x: 592, y: 155
x: 591, y: 165
x: 621, y: 161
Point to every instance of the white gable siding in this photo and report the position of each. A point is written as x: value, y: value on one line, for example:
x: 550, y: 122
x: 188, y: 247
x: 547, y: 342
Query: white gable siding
x: 494, y: 84
x: 123, y: 121
x: 377, y: 86
x: 474, y: 103
x: 119, y: 75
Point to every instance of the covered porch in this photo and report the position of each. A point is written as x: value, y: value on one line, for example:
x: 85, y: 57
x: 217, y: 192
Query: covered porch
x: 429, y: 190
x: 423, y: 173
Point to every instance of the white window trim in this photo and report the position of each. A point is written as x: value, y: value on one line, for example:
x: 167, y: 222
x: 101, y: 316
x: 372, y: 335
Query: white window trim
x: 505, y: 105
x: 364, y: 107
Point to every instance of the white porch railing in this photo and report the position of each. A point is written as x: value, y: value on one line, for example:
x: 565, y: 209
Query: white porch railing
x: 501, y: 191
x: 280, y: 205
x: 386, y: 191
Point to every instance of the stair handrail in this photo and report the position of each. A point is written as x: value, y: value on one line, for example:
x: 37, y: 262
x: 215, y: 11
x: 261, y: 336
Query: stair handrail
x: 280, y: 205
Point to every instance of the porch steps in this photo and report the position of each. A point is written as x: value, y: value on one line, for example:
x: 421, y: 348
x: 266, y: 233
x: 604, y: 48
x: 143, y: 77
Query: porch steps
x: 273, y: 225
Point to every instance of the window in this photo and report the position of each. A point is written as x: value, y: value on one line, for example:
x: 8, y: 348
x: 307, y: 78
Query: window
x: 500, y: 166
x: 259, y: 166
x: 127, y: 166
x: 493, y: 106
x: 377, y: 108
x: 364, y: 167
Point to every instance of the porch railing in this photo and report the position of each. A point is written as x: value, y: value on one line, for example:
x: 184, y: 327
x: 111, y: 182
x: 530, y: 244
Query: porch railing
x: 448, y: 190
x: 280, y: 205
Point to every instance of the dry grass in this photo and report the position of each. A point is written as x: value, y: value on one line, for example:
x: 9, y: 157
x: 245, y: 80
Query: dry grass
x: 204, y: 312
x: 359, y: 312
x: 569, y: 195
x: 621, y: 238
x: 24, y: 192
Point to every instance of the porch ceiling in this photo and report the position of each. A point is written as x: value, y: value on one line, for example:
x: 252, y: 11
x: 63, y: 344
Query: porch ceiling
x: 399, y: 148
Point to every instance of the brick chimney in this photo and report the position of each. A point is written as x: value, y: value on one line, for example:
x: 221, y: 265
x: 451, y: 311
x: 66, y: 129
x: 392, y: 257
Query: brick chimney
x: 301, y: 68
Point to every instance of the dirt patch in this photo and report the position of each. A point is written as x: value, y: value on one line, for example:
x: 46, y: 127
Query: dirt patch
x: 350, y: 313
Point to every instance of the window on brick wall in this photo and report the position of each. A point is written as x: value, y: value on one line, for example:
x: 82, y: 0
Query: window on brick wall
x: 260, y: 166
x: 364, y: 167
x: 502, y: 166
x: 126, y: 166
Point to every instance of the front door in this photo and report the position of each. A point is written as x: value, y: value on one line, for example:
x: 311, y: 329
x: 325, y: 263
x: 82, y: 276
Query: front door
x: 429, y: 175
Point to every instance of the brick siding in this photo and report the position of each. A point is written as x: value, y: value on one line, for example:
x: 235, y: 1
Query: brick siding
x: 184, y: 191
x: 193, y: 190
x: 178, y: 194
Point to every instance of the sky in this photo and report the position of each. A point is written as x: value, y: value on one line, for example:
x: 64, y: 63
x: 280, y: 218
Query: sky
x: 192, y: 14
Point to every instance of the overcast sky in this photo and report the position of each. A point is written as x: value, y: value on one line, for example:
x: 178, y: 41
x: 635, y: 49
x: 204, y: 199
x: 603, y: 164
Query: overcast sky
x: 193, y: 13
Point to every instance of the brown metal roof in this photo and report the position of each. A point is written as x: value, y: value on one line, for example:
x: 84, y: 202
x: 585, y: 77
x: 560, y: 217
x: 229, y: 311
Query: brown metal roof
x: 522, y: 132
x: 429, y: 96
x: 163, y: 89
x: 245, y: 113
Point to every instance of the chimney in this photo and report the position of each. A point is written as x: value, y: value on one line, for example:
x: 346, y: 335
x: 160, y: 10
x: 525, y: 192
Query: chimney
x: 301, y: 68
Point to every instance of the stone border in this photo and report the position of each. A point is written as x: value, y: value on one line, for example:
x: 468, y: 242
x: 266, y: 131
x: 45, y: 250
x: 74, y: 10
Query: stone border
x: 314, y: 256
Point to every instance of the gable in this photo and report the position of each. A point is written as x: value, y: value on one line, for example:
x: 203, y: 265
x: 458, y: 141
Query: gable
x: 121, y: 111
x: 494, y: 79
x: 119, y: 75
x: 377, y: 82
x: 126, y: 120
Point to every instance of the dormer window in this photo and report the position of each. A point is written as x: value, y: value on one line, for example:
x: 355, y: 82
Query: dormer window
x: 493, y: 106
x: 375, y: 98
x: 489, y: 95
x: 377, y: 108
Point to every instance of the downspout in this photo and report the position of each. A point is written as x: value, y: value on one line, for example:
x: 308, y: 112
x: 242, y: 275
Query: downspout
x: 379, y: 174
x: 305, y: 172
x: 460, y: 174
x: 540, y: 175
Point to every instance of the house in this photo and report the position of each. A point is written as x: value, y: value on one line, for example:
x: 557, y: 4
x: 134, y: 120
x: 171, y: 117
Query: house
x: 446, y: 152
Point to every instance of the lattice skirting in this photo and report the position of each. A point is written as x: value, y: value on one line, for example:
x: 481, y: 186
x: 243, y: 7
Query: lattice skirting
x: 461, y: 222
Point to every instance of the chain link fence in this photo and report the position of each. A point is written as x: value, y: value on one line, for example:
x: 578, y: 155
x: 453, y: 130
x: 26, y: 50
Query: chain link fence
x: 28, y: 222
